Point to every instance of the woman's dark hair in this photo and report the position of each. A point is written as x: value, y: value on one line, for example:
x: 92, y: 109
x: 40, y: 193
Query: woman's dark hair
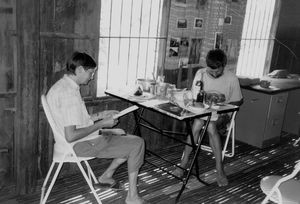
x: 80, y: 59
x: 216, y: 58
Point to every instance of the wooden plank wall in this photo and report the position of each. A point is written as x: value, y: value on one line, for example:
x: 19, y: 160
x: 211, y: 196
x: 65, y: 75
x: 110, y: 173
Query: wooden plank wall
x: 65, y: 27
x: 26, y: 120
x: 7, y: 89
x: 37, y: 45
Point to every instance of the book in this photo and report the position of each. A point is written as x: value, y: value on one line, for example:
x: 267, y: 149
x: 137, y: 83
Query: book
x: 174, y: 110
x: 125, y: 111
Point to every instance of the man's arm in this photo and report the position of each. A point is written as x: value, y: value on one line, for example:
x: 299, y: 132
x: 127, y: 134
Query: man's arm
x: 236, y: 96
x: 237, y: 103
x: 72, y: 133
x: 103, y: 114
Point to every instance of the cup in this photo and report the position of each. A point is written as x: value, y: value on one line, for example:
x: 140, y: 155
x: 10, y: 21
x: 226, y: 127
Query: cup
x: 170, y: 90
x: 207, y: 100
x: 187, y: 98
x: 161, y: 89
x: 146, y: 84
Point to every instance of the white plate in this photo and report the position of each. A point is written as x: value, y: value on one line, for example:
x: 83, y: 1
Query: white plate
x: 144, y: 96
x: 197, y: 109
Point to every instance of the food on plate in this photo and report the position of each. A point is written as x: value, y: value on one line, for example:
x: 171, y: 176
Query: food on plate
x: 138, y: 92
x: 214, y: 98
x: 198, y: 105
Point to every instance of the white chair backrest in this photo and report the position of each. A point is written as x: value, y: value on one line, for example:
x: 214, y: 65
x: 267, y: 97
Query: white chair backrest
x: 58, y: 135
x: 49, y: 116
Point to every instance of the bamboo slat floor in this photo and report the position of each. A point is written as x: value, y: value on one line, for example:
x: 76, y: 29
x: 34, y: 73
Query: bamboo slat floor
x: 244, y: 171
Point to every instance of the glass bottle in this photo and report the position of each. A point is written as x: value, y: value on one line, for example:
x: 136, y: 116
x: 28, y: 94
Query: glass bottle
x: 200, y: 95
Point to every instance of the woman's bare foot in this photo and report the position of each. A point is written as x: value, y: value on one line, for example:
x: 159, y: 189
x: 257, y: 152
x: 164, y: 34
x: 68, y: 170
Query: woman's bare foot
x: 178, y: 172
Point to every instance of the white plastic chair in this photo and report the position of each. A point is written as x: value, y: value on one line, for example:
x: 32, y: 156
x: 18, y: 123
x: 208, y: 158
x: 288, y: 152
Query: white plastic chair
x: 230, y: 135
x: 282, y: 189
x: 68, y: 156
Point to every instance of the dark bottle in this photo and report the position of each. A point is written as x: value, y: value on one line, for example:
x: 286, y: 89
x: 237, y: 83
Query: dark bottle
x: 200, y: 95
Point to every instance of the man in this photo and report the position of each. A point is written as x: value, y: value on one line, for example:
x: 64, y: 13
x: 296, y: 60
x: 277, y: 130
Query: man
x: 82, y: 130
x: 214, y: 78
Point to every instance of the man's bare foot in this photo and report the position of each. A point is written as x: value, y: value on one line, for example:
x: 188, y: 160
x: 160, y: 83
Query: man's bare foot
x: 178, y: 172
x: 222, y: 180
x: 104, y: 179
x: 136, y: 200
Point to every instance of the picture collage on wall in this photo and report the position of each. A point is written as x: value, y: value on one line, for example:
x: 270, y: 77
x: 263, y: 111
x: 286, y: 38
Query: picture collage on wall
x: 186, y: 48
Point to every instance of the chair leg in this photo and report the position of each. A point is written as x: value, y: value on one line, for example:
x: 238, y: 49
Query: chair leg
x: 44, y: 199
x: 273, y: 190
x: 233, y: 141
x: 230, y: 133
x: 295, y: 144
x: 90, y: 172
x: 46, y: 181
x: 89, y: 182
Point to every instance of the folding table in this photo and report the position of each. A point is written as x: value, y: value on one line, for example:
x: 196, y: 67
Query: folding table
x: 171, y: 110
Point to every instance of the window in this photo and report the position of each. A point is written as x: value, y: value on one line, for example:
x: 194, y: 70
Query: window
x: 132, y: 38
x: 257, y: 38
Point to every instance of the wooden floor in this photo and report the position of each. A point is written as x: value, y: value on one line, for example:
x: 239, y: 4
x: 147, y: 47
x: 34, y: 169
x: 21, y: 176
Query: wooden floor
x: 244, y: 171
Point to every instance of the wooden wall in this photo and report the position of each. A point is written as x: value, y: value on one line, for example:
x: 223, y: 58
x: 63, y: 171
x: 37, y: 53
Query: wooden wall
x: 7, y: 88
x: 38, y: 38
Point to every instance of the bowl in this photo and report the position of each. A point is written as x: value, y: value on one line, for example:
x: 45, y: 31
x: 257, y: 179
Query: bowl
x: 264, y: 84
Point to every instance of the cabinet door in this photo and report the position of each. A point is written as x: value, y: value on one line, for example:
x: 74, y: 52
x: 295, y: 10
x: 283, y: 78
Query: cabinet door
x: 252, y: 117
x: 275, y: 116
x: 291, y: 121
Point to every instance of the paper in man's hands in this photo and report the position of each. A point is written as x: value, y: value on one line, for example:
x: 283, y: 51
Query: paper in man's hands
x: 125, y: 111
x: 112, y: 132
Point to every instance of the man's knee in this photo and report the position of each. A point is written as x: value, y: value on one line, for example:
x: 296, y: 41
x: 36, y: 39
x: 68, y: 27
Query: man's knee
x: 140, y: 142
x: 137, y: 141
x: 198, y: 124
x: 212, y: 129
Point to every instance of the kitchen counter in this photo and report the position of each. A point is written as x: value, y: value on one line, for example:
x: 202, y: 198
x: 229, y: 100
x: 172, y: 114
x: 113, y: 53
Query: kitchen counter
x: 268, y: 111
x: 276, y: 86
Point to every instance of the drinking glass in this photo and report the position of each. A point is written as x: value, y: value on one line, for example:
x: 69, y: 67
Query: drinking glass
x: 207, y: 99
x: 187, y: 98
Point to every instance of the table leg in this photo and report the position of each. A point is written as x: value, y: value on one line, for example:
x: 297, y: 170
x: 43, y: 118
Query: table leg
x: 194, y: 160
x: 137, y: 118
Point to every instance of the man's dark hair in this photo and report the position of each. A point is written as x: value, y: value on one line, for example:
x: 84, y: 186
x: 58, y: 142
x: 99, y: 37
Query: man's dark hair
x: 216, y: 58
x: 80, y: 59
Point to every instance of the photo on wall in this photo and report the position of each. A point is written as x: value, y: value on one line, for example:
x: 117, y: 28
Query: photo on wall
x: 198, y: 23
x: 195, y: 51
x: 174, y: 47
x: 231, y: 48
x: 227, y: 20
x: 218, y: 40
x: 180, y: 3
x: 181, y: 23
x: 183, y: 47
